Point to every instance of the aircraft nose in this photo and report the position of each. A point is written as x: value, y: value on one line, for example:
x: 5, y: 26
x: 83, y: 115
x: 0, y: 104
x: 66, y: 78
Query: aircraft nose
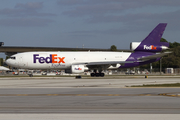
x: 7, y: 62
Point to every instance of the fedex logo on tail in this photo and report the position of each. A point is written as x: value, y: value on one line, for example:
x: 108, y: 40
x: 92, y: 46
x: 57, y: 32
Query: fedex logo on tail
x: 51, y: 59
x: 151, y: 47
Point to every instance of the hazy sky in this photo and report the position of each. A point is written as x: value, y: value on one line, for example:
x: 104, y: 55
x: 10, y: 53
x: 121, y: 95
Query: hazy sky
x: 94, y: 23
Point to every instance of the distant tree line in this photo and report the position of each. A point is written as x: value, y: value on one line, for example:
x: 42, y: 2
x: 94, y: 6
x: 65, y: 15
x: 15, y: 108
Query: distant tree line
x: 113, y: 48
x: 1, y: 61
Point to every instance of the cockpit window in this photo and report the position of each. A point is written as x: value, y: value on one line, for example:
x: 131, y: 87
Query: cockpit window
x: 12, y: 58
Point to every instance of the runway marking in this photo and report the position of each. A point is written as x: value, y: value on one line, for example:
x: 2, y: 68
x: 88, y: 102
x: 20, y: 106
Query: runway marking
x: 163, y: 94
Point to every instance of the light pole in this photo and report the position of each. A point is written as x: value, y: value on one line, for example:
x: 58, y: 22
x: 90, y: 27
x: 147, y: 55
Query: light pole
x: 160, y: 66
x: 151, y: 68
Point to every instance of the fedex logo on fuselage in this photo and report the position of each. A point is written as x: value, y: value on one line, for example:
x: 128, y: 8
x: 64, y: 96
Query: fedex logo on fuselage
x: 51, y: 59
x: 151, y: 47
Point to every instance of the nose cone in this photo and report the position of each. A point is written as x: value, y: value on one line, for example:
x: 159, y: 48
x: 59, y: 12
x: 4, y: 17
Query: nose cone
x: 8, y: 62
x: 11, y: 62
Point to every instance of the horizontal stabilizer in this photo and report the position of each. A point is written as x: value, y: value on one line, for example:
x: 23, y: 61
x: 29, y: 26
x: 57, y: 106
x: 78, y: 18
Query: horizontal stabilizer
x: 157, y: 55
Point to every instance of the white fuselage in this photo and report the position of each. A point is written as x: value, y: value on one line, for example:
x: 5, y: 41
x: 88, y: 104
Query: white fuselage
x: 62, y: 60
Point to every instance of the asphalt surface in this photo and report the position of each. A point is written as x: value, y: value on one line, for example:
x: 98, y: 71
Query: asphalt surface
x: 71, y: 82
x: 87, y: 96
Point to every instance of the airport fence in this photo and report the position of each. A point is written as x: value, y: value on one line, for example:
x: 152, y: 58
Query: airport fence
x: 154, y: 71
x: 127, y: 71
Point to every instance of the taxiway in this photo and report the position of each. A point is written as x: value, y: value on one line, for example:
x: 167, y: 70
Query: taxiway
x: 88, y: 96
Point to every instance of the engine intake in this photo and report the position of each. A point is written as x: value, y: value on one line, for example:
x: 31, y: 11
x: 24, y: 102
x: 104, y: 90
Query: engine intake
x: 76, y: 69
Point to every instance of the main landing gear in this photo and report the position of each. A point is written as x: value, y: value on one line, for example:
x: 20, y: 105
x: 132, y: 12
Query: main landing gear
x: 97, y: 74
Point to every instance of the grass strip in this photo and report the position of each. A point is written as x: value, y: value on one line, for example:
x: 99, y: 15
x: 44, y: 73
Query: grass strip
x: 159, y: 85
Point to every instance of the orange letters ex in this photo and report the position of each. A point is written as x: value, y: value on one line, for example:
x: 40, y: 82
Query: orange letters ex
x: 61, y: 59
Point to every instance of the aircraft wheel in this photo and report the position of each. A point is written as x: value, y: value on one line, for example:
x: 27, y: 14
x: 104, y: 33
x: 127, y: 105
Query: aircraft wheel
x: 92, y: 74
x: 30, y: 75
x: 97, y: 74
x: 78, y: 77
x: 102, y: 74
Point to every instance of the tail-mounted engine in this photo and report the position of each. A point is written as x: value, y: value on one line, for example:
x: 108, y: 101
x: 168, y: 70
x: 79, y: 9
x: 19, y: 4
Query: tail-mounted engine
x: 138, y: 46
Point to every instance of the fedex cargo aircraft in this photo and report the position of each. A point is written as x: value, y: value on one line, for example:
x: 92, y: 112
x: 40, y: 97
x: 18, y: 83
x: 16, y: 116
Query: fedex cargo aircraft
x: 147, y: 51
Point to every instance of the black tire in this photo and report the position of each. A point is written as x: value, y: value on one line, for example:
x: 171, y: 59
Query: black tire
x: 92, y: 74
x: 102, y: 74
x: 97, y: 74
x: 30, y: 75
x: 78, y: 77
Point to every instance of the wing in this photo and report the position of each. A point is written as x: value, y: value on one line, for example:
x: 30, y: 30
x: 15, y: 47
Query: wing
x: 104, y: 65
x: 108, y: 63
x: 157, y: 55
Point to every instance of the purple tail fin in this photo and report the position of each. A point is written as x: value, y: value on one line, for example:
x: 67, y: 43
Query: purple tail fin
x: 152, y: 42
